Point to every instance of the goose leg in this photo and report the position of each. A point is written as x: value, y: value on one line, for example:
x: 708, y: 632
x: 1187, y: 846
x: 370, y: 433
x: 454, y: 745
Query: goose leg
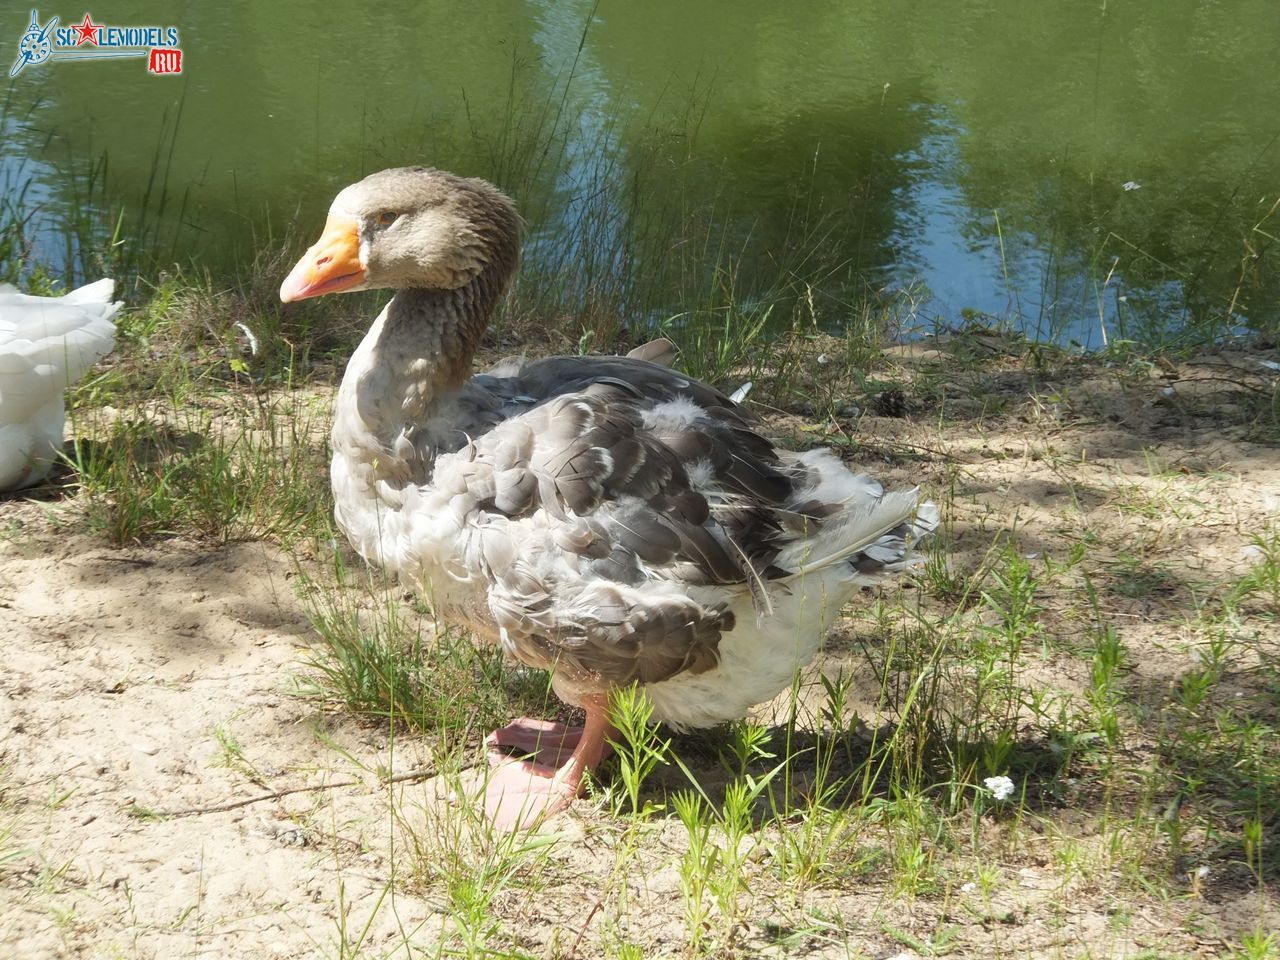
x: 519, y: 795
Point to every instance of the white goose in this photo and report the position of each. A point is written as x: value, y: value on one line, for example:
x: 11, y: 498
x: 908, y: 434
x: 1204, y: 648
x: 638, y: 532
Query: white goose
x: 46, y: 344
x: 603, y: 518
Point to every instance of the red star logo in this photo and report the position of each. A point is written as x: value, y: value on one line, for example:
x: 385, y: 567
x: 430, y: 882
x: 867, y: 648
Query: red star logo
x: 88, y: 30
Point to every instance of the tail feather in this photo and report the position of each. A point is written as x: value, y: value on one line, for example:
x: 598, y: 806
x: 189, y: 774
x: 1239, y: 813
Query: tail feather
x: 884, y: 530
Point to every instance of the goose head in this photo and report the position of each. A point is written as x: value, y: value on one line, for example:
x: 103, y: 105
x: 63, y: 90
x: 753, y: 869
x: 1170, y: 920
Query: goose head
x: 410, y: 227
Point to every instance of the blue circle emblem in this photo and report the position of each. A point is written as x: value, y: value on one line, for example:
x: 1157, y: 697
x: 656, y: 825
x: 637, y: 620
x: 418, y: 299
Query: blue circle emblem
x: 35, y: 46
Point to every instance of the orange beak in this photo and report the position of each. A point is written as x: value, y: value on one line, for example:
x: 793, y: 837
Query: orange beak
x: 332, y: 264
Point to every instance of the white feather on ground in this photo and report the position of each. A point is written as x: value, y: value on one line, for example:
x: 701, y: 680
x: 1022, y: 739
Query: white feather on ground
x: 46, y: 345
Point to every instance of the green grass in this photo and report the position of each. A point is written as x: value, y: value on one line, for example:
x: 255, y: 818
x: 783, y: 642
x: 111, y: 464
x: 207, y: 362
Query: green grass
x: 397, y: 665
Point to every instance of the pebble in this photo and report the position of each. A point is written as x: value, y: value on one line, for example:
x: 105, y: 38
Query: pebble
x: 150, y: 749
x: 286, y: 832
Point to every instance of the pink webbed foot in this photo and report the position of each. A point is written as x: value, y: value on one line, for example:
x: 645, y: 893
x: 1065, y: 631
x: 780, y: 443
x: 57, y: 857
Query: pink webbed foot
x: 519, y: 794
x: 517, y: 797
x: 541, y: 743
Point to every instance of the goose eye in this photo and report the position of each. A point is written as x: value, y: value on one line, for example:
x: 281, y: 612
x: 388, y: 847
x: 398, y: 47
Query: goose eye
x: 388, y: 217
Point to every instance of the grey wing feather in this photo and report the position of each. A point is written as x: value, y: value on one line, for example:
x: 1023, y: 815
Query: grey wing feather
x: 602, y: 449
x: 578, y: 450
x: 612, y: 635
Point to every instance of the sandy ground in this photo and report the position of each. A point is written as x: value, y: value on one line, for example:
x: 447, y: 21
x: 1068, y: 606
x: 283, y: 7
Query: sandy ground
x: 122, y: 666
x: 128, y: 672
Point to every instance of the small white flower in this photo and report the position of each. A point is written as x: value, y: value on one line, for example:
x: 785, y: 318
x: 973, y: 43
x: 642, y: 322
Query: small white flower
x: 1001, y: 787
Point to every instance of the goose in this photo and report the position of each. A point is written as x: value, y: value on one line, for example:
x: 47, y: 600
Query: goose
x: 46, y: 344
x: 606, y: 519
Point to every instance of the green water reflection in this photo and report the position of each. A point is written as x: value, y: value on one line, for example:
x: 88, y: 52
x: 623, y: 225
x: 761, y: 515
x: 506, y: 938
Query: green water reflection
x: 1074, y: 166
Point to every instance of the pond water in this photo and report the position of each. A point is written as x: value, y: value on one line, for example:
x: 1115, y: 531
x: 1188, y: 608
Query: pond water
x: 1077, y: 169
